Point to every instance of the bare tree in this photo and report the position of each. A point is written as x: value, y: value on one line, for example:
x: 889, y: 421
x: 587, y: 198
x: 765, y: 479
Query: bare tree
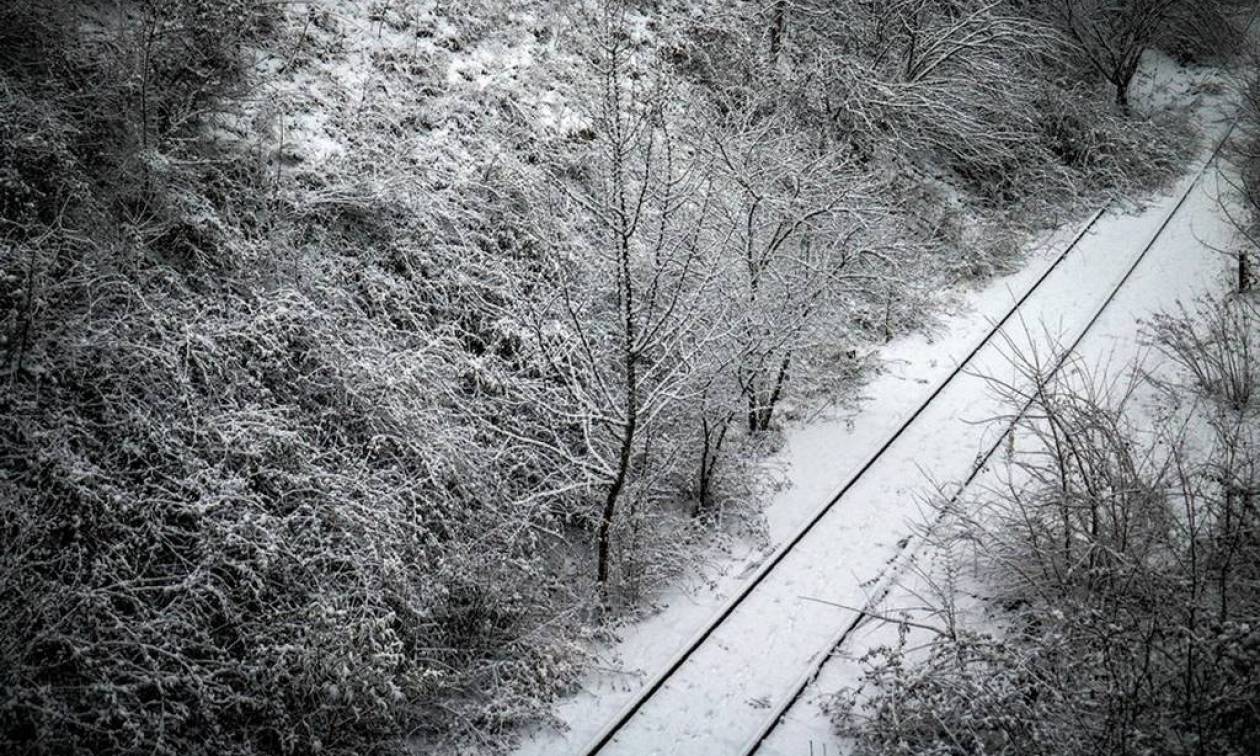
x: 632, y: 314
x: 1113, y: 34
x: 790, y: 218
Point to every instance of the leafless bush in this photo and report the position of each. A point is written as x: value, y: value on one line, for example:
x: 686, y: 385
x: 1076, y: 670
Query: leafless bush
x: 247, y: 530
x: 986, y: 92
x: 1112, y: 35
x: 1118, y: 567
x: 1205, y: 31
x: 977, y: 97
x: 1215, y: 343
x: 249, y: 502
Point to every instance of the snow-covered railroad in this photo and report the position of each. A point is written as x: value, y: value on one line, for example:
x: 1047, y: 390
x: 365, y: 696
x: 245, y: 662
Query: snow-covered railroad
x: 887, y: 581
x: 729, y: 686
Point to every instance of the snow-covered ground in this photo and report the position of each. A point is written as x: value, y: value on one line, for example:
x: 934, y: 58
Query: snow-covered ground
x: 722, y: 695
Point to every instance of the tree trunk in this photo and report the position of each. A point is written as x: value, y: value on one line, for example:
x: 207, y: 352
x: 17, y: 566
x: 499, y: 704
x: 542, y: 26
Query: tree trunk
x: 780, y: 381
x: 604, y: 537
x: 630, y: 360
x: 711, y: 447
x: 778, y: 27
x: 1124, y: 77
x: 761, y: 410
x: 702, y: 485
x: 1122, y: 98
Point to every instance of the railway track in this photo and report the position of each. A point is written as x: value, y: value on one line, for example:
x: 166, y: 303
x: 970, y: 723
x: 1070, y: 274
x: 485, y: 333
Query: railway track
x: 906, y: 551
x: 607, y: 737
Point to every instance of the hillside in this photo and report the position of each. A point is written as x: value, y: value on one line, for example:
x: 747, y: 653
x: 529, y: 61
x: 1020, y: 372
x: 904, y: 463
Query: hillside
x: 364, y: 360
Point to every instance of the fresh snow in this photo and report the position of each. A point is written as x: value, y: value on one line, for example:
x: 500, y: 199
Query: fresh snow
x: 722, y: 695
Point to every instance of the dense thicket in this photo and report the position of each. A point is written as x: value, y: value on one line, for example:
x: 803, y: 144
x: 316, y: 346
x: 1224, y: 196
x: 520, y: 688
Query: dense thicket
x: 314, y: 442
x: 242, y: 508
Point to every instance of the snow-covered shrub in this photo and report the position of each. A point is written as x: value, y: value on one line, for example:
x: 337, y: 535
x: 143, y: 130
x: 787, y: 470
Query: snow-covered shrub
x: 249, y: 501
x: 1120, y: 571
x: 1002, y: 121
x: 985, y: 94
x: 1216, y: 342
x: 38, y: 167
x: 1106, y: 151
x: 1204, y: 31
x: 246, y: 524
x: 971, y: 694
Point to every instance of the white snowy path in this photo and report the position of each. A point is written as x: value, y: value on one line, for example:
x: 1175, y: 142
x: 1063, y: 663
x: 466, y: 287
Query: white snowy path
x: 721, y: 696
